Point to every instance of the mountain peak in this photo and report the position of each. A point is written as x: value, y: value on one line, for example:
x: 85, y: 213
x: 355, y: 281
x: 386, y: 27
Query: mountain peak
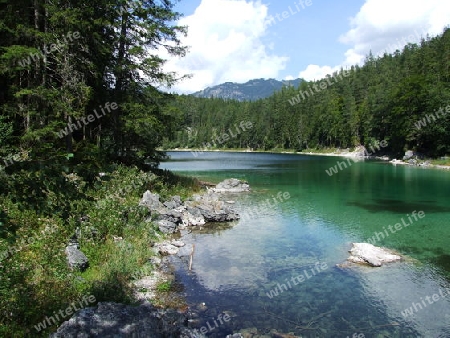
x: 251, y: 90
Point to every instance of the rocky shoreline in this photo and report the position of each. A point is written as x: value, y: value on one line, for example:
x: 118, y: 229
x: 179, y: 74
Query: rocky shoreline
x: 109, y: 319
x: 175, y: 318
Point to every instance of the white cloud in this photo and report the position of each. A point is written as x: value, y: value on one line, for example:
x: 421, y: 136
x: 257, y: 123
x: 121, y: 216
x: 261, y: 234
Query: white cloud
x: 386, y: 25
x: 225, y: 45
x: 315, y: 72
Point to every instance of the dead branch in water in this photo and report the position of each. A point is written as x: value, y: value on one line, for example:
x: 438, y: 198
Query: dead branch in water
x: 191, y: 257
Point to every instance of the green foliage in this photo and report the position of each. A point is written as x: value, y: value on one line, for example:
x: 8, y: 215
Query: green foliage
x: 164, y: 286
x: 114, y: 235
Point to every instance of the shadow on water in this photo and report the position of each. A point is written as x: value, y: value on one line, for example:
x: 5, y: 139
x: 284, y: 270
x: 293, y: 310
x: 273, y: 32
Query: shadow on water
x: 397, y: 206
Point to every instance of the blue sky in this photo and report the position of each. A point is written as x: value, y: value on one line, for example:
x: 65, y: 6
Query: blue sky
x: 239, y: 40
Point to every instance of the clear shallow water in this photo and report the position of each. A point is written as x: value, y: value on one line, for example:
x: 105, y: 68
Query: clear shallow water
x: 236, y: 266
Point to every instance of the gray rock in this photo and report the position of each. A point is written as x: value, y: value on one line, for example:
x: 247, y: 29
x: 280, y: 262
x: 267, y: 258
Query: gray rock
x: 110, y: 320
x: 169, y: 215
x: 76, y: 259
x: 408, y: 155
x: 151, y: 201
x: 189, y: 219
x: 170, y: 204
x: 155, y: 261
x: 232, y: 185
x: 174, y: 203
x: 178, y: 244
x: 167, y: 227
x: 177, y: 200
x: 166, y: 248
x: 201, y: 209
x: 212, y: 211
x: 365, y: 253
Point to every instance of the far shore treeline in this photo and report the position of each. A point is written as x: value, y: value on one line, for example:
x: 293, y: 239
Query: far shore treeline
x: 401, y: 98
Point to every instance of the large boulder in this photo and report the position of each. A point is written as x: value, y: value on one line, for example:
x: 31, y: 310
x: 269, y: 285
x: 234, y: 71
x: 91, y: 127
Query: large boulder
x: 211, y: 208
x: 76, y: 259
x: 231, y: 185
x: 365, y: 253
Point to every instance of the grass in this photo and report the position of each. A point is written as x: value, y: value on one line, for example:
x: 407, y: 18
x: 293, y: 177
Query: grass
x: 35, y: 281
x: 164, y: 286
x: 442, y: 161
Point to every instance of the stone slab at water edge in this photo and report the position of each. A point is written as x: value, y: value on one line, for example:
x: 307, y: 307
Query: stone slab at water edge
x: 365, y: 253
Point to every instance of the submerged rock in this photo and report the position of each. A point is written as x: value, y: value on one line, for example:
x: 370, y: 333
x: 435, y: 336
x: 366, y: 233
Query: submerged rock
x: 365, y: 253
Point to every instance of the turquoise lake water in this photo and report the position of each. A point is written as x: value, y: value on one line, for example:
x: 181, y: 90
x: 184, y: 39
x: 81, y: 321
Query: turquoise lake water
x: 305, y: 236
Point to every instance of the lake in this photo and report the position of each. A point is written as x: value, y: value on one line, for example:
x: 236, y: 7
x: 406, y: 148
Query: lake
x: 276, y: 268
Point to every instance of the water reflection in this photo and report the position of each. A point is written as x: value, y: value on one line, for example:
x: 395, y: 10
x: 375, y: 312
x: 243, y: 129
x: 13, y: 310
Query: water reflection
x: 235, y: 266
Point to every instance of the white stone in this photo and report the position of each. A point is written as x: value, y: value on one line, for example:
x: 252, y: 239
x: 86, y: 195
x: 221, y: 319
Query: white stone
x: 365, y: 253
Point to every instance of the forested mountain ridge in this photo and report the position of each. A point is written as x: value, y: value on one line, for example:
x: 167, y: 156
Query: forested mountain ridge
x: 250, y: 91
x: 401, y: 98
